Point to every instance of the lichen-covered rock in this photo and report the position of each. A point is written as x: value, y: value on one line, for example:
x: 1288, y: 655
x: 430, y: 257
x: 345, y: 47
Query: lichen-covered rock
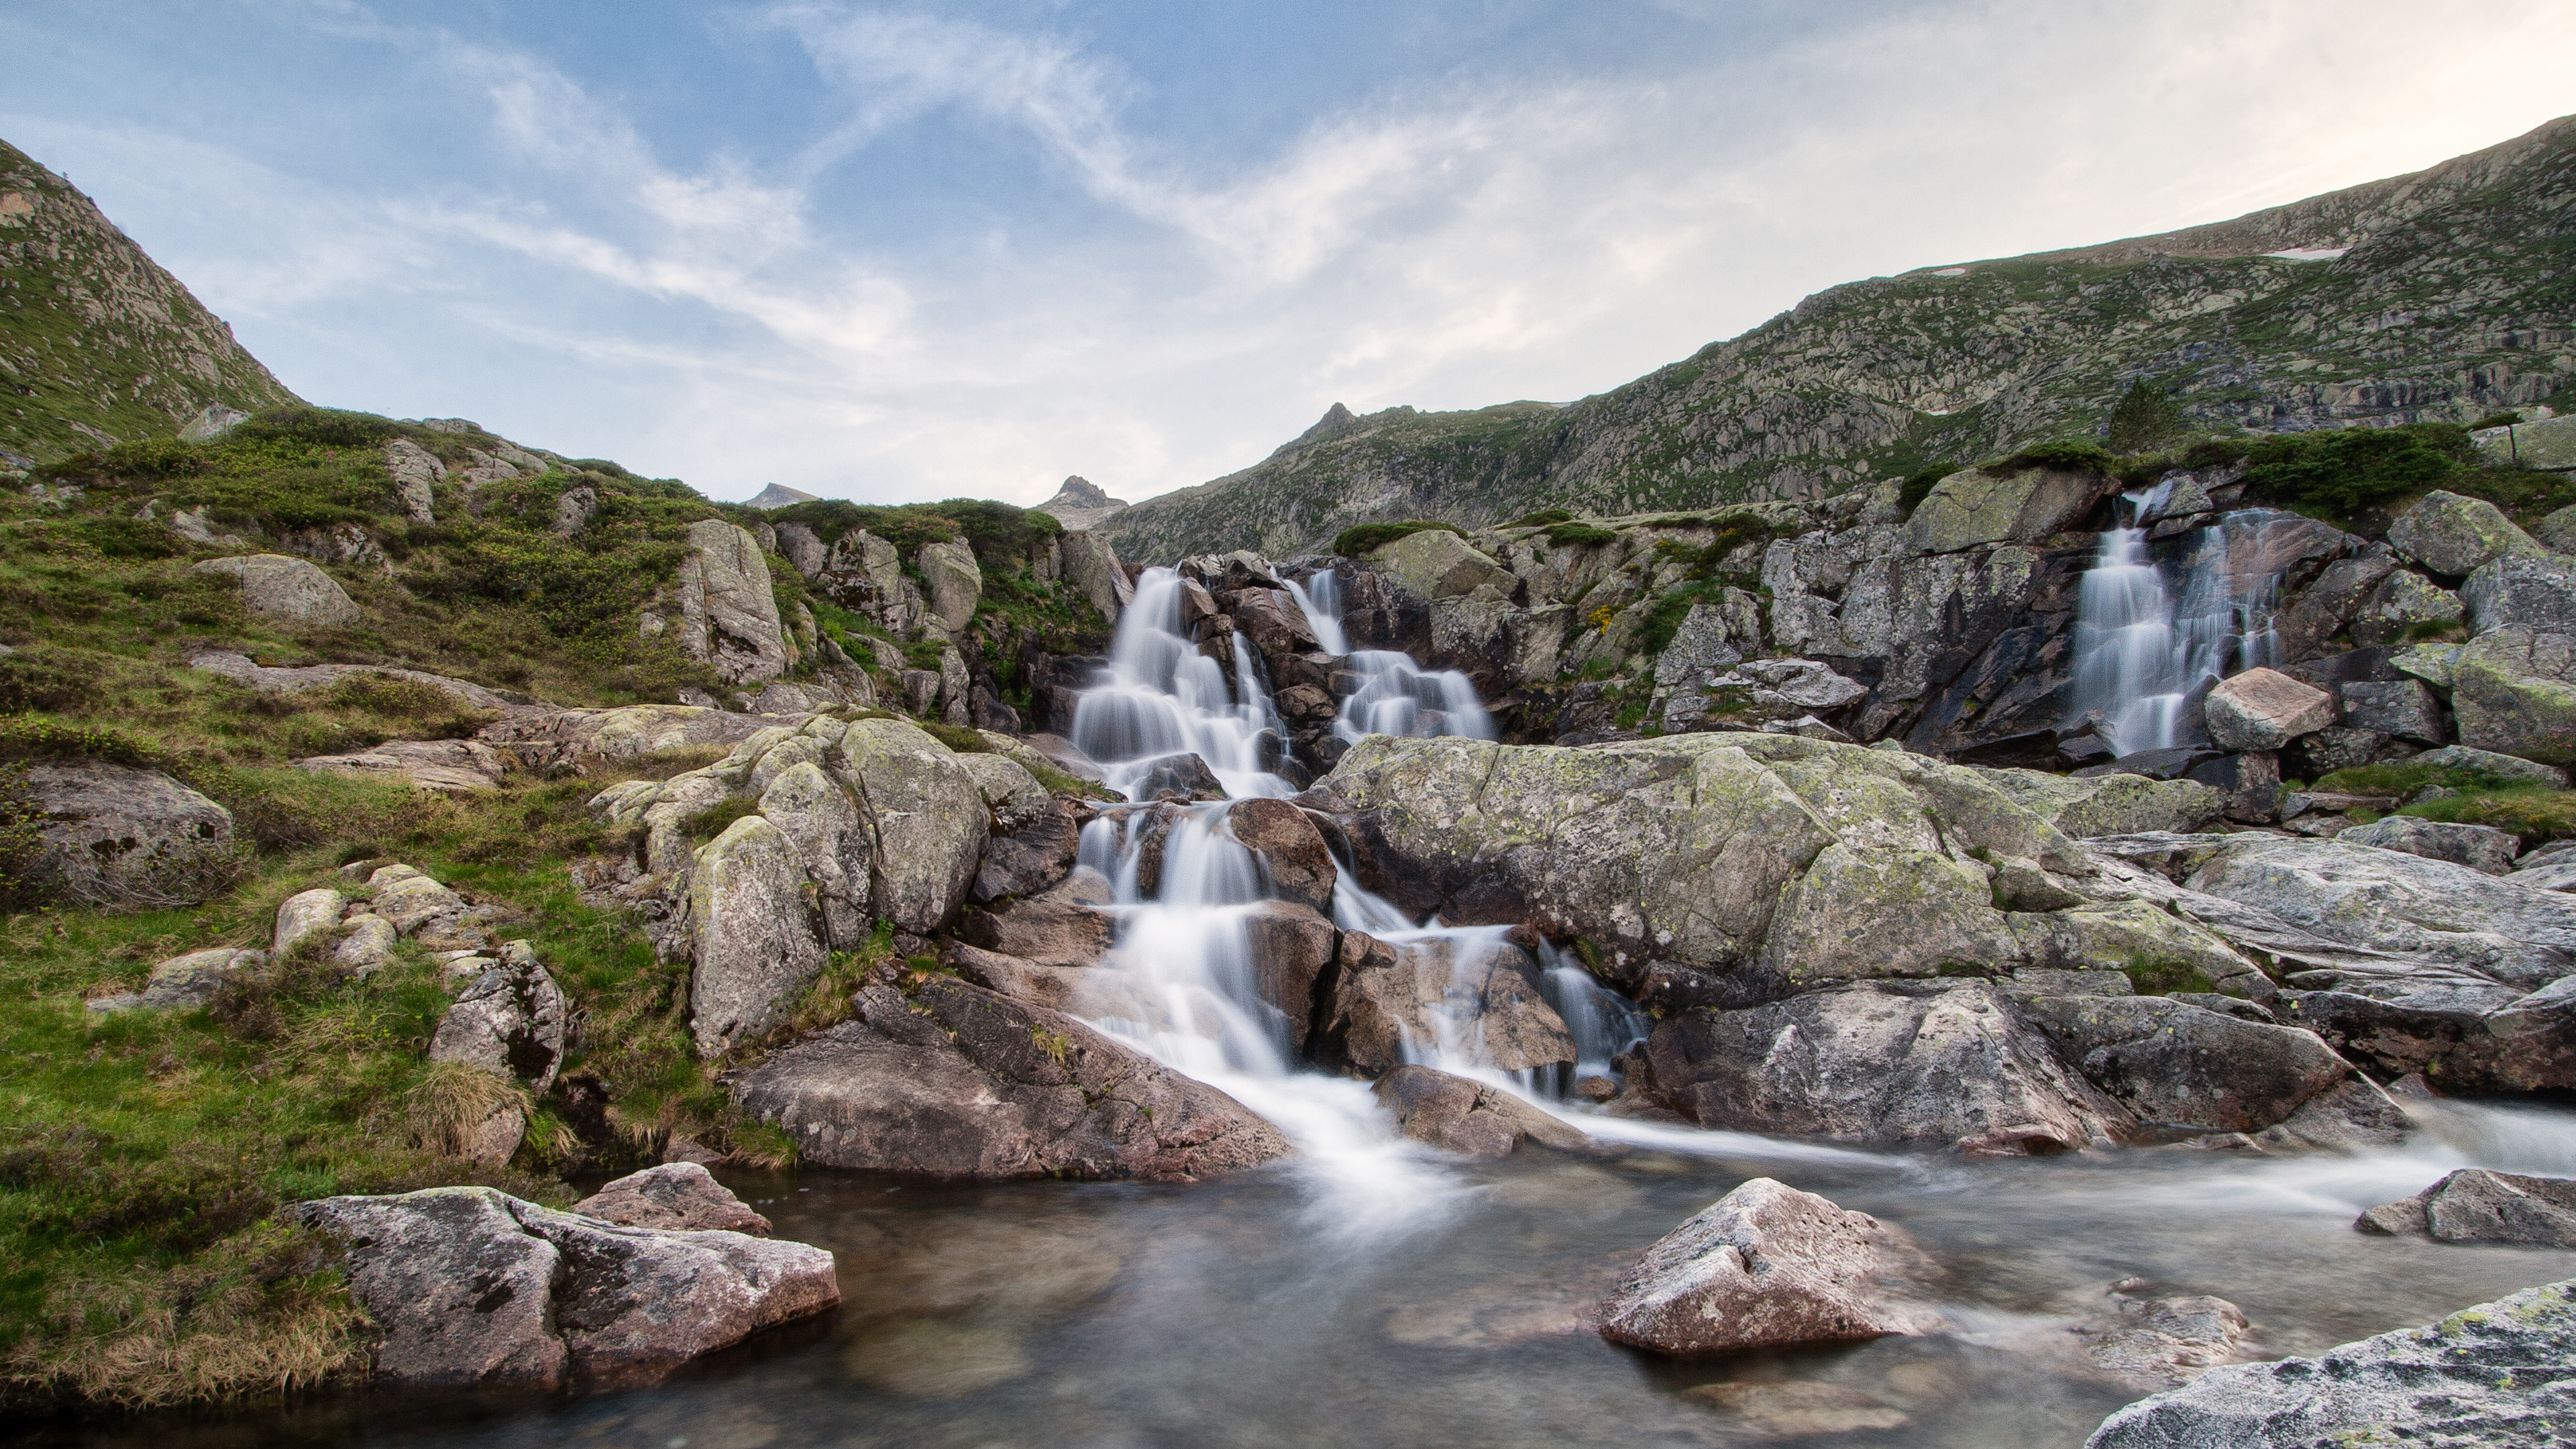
x: 2404, y: 708
x: 1973, y: 508
x: 2264, y: 709
x: 306, y: 913
x: 751, y: 933
x: 2495, y: 1375
x: 674, y: 1197
x: 1091, y: 565
x: 115, y: 835
x: 832, y: 843
x: 511, y: 1020
x: 728, y: 614
x: 286, y: 589
x: 441, y: 765
x: 2535, y: 591
x: 2474, y: 1205
x: 411, y: 900
x: 1765, y: 1264
x: 366, y: 943
x: 1949, y: 1064
x: 2181, y: 1067
x: 960, y: 1082
x: 417, y: 472
x: 2109, y: 804
x: 2514, y: 693
x: 471, y: 1287
x: 952, y: 582
x: 2402, y: 601
x: 1436, y: 564
x: 1893, y: 911
x: 929, y: 817
x: 1459, y: 1115
x: 2481, y: 848
x: 2453, y: 535
x: 183, y: 981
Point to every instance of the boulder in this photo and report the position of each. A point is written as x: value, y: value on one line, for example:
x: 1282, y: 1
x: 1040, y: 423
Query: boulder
x: 2404, y: 708
x: 417, y: 471
x: 728, y: 614
x: 471, y: 1287
x: 286, y: 590
x: 2264, y: 709
x: 959, y: 1082
x: 1457, y: 1114
x: 952, y: 582
x: 2453, y: 535
x: 443, y: 765
x: 1436, y: 564
x: 2479, y: 847
x: 2488, y: 1375
x: 1291, y: 850
x: 928, y: 815
x: 2182, y: 1068
x: 1030, y: 858
x: 367, y: 943
x: 1185, y: 776
x: 816, y: 814
x: 1893, y: 911
x: 2513, y: 692
x: 2474, y: 1205
x: 2503, y: 767
x: 1764, y: 1265
x: 1883, y: 1064
x: 751, y: 935
x: 1475, y: 993
x: 1013, y: 794
x: 680, y: 1197
x: 2535, y: 591
x: 511, y: 1021
x: 1091, y: 565
x: 119, y: 836
x: 2403, y: 601
x: 1291, y: 947
x: 2113, y: 804
x: 185, y: 981
x: 2248, y: 784
x: 1044, y: 930
x: 1073, y: 990
x: 411, y: 901
x: 1973, y: 508
x: 306, y: 913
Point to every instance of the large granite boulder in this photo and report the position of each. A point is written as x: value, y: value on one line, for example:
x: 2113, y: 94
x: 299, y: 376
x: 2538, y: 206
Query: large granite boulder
x: 115, y: 835
x: 833, y: 844
x: 2513, y: 691
x: 752, y: 934
x: 306, y: 913
x: 1973, y: 508
x: 2182, y: 1068
x: 185, y: 981
x: 1766, y: 1264
x: 473, y: 1288
x: 680, y: 1197
x: 286, y: 590
x: 1436, y: 564
x: 2481, y: 848
x: 511, y: 1019
x: 1885, y: 1064
x: 2497, y: 1374
x: 728, y: 614
x: 960, y: 1082
x: 2115, y: 804
x: 2474, y: 1205
x: 1091, y: 565
x: 952, y: 581
x: 2535, y: 591
x: 1457, y: 1114
x: 2453, y: 535
x: 929, y: 817
x: 2264, y: 709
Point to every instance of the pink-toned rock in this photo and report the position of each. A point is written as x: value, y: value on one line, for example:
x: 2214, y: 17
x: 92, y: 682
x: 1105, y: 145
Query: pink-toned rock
x: 1765, y: 1264
x: 678, y: 1197
x: 2264, y: 709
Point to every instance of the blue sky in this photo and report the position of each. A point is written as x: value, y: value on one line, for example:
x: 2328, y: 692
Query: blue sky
x: 893, y: 253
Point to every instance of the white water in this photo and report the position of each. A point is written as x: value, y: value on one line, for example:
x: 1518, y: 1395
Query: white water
x: 1161, y: 696
x: 1395, y: 695
x: 2139, y: 656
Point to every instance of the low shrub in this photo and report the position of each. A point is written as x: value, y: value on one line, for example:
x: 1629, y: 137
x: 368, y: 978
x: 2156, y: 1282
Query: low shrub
x: 1542, y: 518
x: 2351, y: 468
x: 2067, y: 455
x: 1364, y: 538
x: 1579, y: 535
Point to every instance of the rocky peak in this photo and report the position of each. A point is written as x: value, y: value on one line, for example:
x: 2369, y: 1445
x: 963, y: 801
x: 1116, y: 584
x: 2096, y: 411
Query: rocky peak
x: 1081, y: 503
x: 778, y: 496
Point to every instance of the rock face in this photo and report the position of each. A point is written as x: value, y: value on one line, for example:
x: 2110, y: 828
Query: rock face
x: 677, y: 1197
x: 242, y: 669
x: 288, y: 590
x: 2453, y: 535
x: 511, y: 1020
x: 474, y: 1288
x: 2481, y: 848
x: 2474, y: 1205
x: 755, y: 941
x: 1080, y: 504
x: 2497, y: 1374
x: 2512, y: 694
x: 1765, y: 1264
x: 416, y: 472
x: 2110, y: 804
x: 1459, y: 1115
x: 2264, y: 709
x: 959, y: 1082
x: 1386, y: 997
x: 953, y: 582
x: 1091, y: 565
x: 1971, y: 508
x: 115, y: 835
x: 2183, y: 1068
x: 728, y: 615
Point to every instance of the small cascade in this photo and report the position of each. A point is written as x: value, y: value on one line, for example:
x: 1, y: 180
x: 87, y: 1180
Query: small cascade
x: 1180, y: 982
x: 1395, y: 696
x: 2139, y: 657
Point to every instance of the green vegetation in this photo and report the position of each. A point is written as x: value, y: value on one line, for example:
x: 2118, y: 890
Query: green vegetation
x: 998, y: 532
x: 2526, y: 808
x: 1920, y: 485
x: 1364, y: 538
x: 1542, y: 518
x: 2067, y: 455
x: 1579, y: 535
x: 2349, y: 468
x: 2144, y: 419
x: 2149, y: 976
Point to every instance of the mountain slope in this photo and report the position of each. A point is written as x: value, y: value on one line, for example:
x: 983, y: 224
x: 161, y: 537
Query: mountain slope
x: 99, y: 345
x: 2453, y: 293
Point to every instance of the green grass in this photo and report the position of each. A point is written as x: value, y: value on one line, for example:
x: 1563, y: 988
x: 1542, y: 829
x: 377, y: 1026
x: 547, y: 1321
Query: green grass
x: 1365, y: 538
x: 2527, y: 809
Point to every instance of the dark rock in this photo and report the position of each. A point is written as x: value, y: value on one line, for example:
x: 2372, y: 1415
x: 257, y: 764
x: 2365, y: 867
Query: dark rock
x: 2324, y: 607
x: 2172, y: 764
x: 1292, y: 949
x: 2473, y: 1205
x: 1185, y: 776
x: 2250, y: 783
x: 675, y: 1197
x: 1029, y: 859
x: 2036, y: 750
x: 2182, y: 1068
x: 1291, y: 849
x: 1459, y: 1115
x: 1047, y: 931
x: 960, y: 1082
x: 2403, y: 708
x: 2336, y: 747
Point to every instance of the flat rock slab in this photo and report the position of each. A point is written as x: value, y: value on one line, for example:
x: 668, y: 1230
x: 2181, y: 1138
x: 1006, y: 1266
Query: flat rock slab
x: 2499, y: 1374
x: 442, y: 765
x: 960, y: 1082
x: 1765, y: 1264
x: 473, y: 1287
x: 242, y: 669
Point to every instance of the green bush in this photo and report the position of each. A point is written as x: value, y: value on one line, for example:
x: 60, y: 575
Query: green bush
x: 2352, y: 468
x: 960, y: 738
x: 1919, y: 487
x: 998, y: 532
x: 2144, y: 418
x: 2066, y: 455
x: 28, y: 737
x: 1664, y: 618
x: 1542, y: 518
x: 2215, y: 452
x: 326, y: 427
x: 1362, y: 538
x: 1579, y: 535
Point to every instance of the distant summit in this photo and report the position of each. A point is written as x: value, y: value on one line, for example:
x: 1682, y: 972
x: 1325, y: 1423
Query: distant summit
x: 1080, y: 504
x: 777, y: 496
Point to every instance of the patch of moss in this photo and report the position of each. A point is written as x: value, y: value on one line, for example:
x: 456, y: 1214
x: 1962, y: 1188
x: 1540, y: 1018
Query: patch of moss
x: 2151, y: 977
x: 1364, y: 538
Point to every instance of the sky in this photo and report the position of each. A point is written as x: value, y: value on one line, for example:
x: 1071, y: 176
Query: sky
x: 929, y: 251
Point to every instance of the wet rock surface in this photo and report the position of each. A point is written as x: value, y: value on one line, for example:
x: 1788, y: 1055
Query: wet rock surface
x: 1765, y: 1264
x: 2474, y: 1205
x: 1458, y: 1114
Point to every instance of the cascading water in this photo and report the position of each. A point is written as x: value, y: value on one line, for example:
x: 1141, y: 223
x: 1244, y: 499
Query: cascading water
x: 1161, y: 696
x: 2139, y: 657
x: 1395, y: 696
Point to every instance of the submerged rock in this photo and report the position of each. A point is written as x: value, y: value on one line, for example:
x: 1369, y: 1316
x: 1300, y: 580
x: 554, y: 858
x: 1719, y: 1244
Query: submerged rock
x: 2498, y: 1374
x: 962, y: 1082
x: 2474, y: 1205
x: 471, y: 1287
x: 1765, y: 1264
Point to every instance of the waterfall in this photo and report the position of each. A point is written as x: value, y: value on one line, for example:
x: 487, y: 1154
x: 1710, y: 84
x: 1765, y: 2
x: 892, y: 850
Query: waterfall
x: 1393, y: 695
x: 1180, y: 982
x: 2139, y: 656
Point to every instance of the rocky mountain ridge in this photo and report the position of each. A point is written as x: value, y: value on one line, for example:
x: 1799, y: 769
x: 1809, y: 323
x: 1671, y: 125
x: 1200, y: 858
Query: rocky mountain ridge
x: 2442, y: 295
